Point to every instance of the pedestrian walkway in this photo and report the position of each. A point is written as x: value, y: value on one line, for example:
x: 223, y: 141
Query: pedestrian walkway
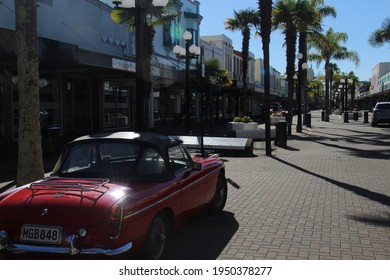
x: 325, y: 196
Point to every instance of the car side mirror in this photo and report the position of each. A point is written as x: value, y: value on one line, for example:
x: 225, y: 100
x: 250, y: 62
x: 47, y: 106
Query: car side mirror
x: 197, y: 166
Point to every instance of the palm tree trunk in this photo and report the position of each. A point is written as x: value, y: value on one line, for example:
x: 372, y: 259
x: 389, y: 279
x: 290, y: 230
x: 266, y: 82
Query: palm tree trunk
x: 245, y: 50
x: 302, y: 77
x: 291, y: 38
x: 265, y: 7
x: 30, y: 163
x: 331, y: 95
x: 327, y: 111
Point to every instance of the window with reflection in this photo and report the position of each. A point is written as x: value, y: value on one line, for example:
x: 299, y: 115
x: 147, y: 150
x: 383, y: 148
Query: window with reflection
x: 116, y: 105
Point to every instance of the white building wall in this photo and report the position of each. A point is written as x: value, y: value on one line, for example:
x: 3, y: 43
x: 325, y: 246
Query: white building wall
x: 377, y: 72
x: 212, y: 51
x: 226, y: 44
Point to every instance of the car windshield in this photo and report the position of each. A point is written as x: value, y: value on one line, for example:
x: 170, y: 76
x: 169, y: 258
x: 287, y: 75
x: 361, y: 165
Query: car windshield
x: 112, y: 160
x: 385, y: 106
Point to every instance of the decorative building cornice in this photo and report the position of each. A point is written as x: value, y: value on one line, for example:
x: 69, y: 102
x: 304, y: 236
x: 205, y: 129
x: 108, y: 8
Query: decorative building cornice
x: 194, y: 16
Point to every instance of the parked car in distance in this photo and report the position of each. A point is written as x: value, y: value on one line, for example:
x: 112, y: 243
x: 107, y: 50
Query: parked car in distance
x: 276, y: 108
x: 381, y: 113
x: 111, y: 194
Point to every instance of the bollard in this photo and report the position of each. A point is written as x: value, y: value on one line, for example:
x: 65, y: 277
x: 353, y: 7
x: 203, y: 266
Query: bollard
x: 281, y: 134
x: 308, y: 120
x: 322, y: 115
x: 365, y: 117
x: 346, y: 116
x: 355, y: 116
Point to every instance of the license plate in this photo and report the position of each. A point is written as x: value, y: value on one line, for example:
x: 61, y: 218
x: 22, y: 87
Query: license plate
x: 41, y: 234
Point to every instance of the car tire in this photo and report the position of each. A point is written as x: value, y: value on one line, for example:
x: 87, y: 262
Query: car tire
x: 373, y: 124
x: 156, y: 238
x: 220, y: 196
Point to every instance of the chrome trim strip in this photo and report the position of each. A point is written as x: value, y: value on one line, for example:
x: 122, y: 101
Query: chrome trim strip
x: 166, y: 198
x: 66, y: 250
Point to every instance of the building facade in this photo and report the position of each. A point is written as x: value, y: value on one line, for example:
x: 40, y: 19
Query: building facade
x: 378, y: 89
x: 87, y: 68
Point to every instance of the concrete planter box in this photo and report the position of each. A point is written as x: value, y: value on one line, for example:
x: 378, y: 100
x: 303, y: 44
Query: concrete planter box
x: 233, y: 126
x: 275, y: 120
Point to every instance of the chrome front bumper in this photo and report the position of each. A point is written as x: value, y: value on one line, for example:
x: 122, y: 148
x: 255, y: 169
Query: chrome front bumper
x: 71, y: 250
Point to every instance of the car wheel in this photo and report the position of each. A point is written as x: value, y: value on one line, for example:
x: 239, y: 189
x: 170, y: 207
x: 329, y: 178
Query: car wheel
x: 156, y: 239
x: 373, y: 124
x: 219, y: 200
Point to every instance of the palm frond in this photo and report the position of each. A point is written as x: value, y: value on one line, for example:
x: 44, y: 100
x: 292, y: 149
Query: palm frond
x: 381, y: 35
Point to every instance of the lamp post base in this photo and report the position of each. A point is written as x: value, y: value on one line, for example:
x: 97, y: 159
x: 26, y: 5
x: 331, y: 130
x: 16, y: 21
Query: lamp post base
x: 346, y: 116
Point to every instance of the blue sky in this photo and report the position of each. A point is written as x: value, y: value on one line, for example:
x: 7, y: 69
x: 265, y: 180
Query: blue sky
x: 357, y: 18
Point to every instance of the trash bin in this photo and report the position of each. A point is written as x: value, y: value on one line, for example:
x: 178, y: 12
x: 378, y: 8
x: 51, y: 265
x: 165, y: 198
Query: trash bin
x: 308, y: 120
x: 365, y: 117
x: 281, y: 134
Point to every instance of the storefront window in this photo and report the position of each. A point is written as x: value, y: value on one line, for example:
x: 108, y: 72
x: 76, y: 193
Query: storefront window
x: 169, y: 104
x: 50, y: 104
x: 116, y: 105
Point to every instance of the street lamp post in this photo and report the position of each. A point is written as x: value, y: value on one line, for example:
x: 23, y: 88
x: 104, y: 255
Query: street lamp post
x: 138, y: 9
x: 187, y: 37
x: 201, y: 72
x: 307, y: 115
x: 305, y: 66
x: 188, y: 52
x: 344, y: 83
x: 299, y: 94
x: 302, y: 81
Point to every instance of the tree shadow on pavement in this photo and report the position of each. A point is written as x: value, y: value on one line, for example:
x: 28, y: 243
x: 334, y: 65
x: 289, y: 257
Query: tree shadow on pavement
x: 202, y: 238
x: 378, y: 197
x: 374, y: 220
x: 361, y: 137
x: 376, y: 154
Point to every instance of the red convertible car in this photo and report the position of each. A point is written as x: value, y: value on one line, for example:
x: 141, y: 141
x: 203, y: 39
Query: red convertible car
x: 111, y: 194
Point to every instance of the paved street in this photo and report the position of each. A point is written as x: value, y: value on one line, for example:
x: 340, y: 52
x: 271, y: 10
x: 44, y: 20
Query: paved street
x: 325, y: 196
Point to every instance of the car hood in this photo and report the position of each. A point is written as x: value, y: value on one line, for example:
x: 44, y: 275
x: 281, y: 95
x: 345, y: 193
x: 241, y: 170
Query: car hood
x: 61, y: 202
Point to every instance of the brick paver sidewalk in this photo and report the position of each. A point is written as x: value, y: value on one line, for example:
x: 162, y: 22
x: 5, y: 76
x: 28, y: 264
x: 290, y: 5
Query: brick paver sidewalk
x: 327, y: 196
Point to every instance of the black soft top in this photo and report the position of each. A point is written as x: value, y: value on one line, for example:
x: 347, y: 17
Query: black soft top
x: 161, y: 141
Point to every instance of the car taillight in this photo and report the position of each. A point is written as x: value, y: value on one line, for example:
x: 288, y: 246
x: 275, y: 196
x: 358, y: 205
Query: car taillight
x: 115, y: 222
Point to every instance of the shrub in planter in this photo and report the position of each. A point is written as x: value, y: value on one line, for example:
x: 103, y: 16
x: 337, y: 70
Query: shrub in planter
x: 242, y: 123
x: 244, y: 119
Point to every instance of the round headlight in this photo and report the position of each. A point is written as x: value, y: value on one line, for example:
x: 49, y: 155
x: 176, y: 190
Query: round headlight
x: 83, y: 232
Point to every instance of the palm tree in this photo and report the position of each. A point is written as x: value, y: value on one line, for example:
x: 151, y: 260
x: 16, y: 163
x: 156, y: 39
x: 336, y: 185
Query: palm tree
x: 333, y: 72
x: 329, y: 48
x: 244, y: 20
x: 316, y: 90
x: 215, y: 77
x: 310, y: 22
x: 352, y: 87
x: 265, y: 8
x: 285, y: 17
x: 381, y: 35
x: 154, y: 16
x: 30, y: 163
